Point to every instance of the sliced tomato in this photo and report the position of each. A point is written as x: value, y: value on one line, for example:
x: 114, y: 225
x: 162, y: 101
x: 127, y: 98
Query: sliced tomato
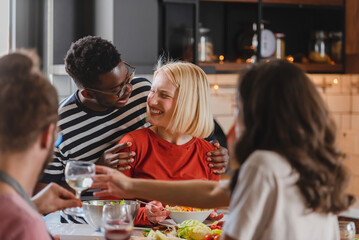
x: 208, y: 236
x: 216, y: 236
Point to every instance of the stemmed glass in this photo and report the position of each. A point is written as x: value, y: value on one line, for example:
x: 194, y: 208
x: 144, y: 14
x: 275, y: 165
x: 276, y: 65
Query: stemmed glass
x: 347, y: 230
x: 117, y: 222
x: 78, y: 175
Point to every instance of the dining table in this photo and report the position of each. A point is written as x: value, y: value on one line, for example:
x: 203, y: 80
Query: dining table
x: 73, y: 231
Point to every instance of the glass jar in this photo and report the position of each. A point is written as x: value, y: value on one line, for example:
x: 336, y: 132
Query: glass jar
x: 253, y: 59
x: 318, y: 48
x: 205, y: 45
x: 188, y: 41
x: 336, y: 43
x: 280, y: 46
x: 245, y: 49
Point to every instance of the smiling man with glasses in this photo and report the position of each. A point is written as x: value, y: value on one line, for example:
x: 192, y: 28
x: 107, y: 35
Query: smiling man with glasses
x: 109, y: 103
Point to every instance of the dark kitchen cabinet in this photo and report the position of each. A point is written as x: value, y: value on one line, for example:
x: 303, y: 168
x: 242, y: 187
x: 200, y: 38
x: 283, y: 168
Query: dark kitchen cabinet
x: 143, y: 30
x: 352, y: 36
x: 231, y: 24
x: 178, y: 20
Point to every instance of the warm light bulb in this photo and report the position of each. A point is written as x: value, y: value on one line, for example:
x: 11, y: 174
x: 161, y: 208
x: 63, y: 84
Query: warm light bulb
x: 215, y: 87
x: 290, y: 59
x: 221, y: 57
x: 335, y: 81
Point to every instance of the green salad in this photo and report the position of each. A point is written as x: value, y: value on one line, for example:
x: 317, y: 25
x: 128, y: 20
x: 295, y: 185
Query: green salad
x: 102, y: 203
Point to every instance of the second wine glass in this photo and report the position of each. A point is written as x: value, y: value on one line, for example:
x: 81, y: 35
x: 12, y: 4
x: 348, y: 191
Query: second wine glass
x: 117, y: 222
x: 347, y: 230
x: 78, y: 175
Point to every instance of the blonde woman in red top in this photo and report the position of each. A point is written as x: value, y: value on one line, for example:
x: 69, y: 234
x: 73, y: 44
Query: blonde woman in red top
x: 178, y: 108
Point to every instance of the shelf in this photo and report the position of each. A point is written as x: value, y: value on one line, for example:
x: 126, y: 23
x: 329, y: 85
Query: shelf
x: 321, y: 67
x: 225, y: 67
x: 242, y: 1
x: 301, y: 2
x: 308, y: 67
x: 308, y: 2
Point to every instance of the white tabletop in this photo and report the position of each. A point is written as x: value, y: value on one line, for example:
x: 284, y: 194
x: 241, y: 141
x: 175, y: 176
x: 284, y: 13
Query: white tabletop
x: 72, y: 231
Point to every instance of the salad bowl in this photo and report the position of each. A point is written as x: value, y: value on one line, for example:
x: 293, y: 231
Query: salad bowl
x: 180, y: 214
x: 93, y: 210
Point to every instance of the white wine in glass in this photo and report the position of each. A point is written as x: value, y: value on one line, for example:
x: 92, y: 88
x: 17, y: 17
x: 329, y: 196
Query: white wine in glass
x: 78, y: 175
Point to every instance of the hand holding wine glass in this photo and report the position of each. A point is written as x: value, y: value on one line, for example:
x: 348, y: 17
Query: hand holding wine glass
x: 78, y: 175
x: 117, y: 222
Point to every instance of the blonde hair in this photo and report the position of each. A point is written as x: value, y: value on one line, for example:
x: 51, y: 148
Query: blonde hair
x: 192, y: 114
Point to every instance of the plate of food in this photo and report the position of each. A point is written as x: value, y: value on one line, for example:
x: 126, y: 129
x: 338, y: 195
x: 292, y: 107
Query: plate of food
x: 189, y: 229
x: 180, y: 214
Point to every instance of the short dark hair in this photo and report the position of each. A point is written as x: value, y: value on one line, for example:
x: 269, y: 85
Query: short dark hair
x: 28, y: 101
x: 89, y: 57
x: 283, y: 112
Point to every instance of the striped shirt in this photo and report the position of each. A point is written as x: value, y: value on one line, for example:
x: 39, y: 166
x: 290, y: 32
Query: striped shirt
x: 87, y: 134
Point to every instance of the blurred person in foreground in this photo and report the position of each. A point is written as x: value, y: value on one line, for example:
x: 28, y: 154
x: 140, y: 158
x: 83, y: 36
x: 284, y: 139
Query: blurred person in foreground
x: 28, y: 121
x: 291, y: 180
x: 173, y: 148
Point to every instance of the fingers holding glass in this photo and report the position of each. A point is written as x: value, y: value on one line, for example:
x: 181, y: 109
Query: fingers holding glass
x: 79, y: 176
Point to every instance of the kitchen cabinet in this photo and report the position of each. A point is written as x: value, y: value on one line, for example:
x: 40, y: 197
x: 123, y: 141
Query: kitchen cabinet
x: 307, y: 2
x: 352, y: 36
x: 178, y: 32
x: 143, y: 33
x: 231, y: 21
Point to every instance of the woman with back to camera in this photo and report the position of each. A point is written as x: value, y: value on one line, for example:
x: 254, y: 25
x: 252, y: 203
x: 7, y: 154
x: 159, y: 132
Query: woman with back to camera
x: 173, y: 148
x: 291, y: 181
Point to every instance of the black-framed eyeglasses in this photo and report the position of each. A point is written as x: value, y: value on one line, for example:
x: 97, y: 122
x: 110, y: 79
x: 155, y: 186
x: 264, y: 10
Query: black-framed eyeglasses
x: 126, y: 87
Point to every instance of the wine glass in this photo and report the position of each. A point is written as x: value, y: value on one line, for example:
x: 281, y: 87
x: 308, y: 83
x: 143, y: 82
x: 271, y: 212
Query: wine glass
x: 78, y: 175
x: 117, y: 222
x: 347, y: 230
